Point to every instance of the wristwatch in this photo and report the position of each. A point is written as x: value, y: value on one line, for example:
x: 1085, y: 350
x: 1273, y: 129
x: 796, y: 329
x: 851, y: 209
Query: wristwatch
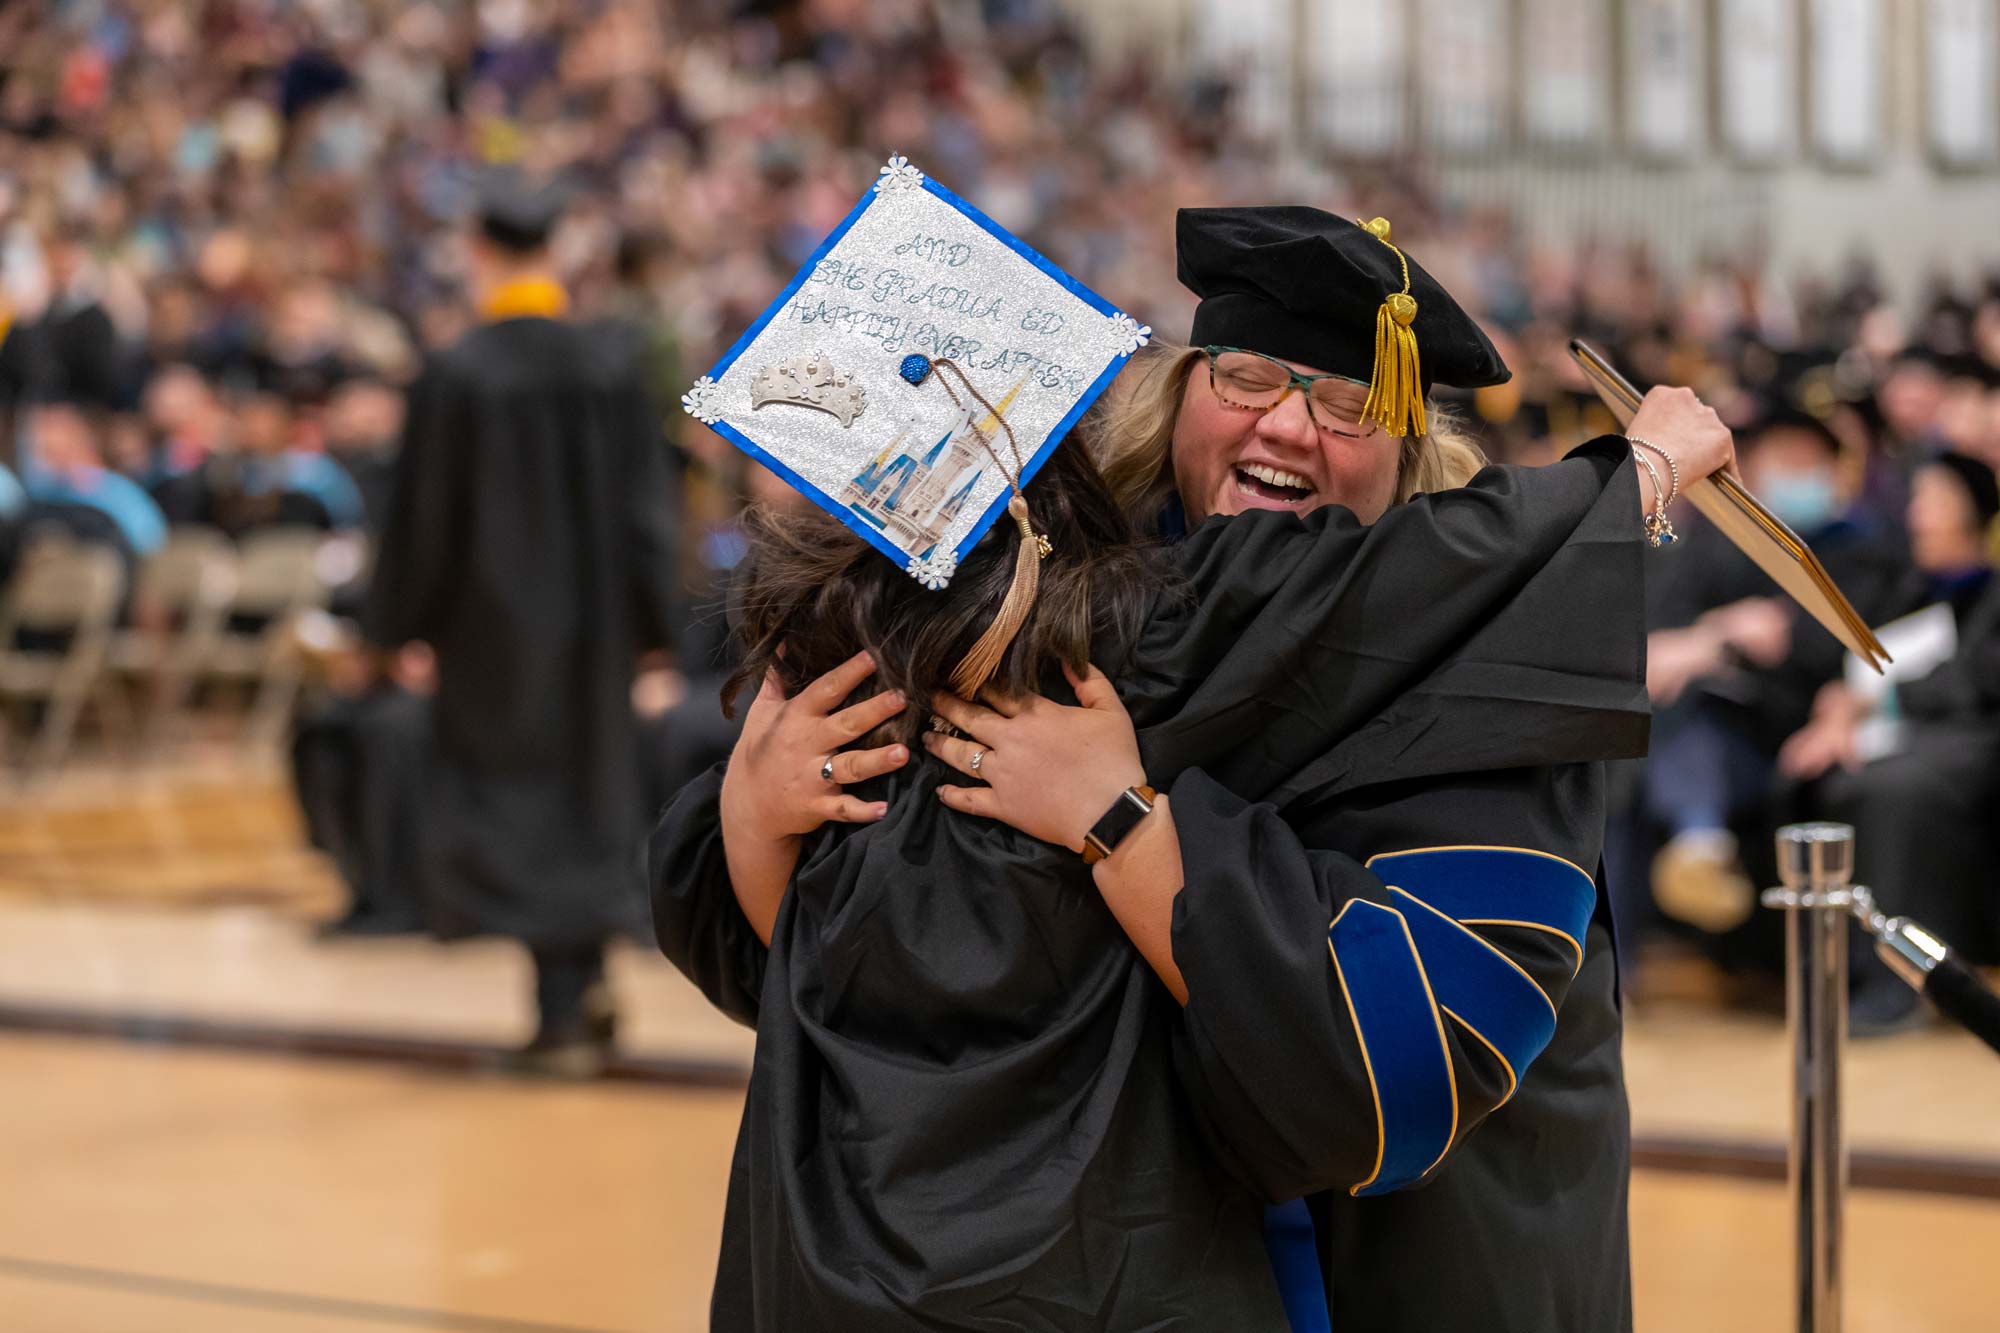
x: 1133, y: 804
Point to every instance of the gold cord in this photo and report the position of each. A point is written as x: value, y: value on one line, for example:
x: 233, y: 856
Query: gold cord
x: 983, y: 659
x: 1396, y: 390
x: 1013, y: 446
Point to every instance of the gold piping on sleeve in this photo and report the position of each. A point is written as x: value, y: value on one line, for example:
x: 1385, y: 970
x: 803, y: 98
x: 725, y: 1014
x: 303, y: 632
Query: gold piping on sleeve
x: 1575, y: 945
x: 1486, y: 944
x: 1483, y: 847
x: 1444, y: 1045
x: 1513, y: 1079
x: 1374, y: 1090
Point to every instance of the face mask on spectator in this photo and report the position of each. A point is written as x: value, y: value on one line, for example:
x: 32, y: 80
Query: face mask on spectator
x: 1804, y: 500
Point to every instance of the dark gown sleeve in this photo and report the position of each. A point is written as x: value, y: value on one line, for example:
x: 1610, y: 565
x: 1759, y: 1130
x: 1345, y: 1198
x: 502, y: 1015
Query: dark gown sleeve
x: 696, y: 919
x: 1295, y: 631
x: 422, y: 541
x: 1967, y: 687
x: 1351, y: 1018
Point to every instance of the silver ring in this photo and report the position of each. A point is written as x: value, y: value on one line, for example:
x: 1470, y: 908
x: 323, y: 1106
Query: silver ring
x: 826, y: 770
x: 978, y: 758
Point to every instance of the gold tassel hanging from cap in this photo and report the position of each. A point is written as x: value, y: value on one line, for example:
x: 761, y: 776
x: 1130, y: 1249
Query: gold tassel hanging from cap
x: 983, y: 659
x: 1396, y: 392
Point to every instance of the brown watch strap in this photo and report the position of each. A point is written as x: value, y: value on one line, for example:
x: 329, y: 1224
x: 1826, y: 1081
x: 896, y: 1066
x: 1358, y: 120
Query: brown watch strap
x: 1095, y: 850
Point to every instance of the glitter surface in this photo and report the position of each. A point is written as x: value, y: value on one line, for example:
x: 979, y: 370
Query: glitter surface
x: 916, y: 277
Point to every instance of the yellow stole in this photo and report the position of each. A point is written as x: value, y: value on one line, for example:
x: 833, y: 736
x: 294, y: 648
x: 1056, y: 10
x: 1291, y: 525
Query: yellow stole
x: 526, y: 298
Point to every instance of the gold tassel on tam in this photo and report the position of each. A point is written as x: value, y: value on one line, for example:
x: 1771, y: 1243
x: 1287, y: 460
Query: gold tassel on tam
x: 986, y: 654
x: 1396, y: 393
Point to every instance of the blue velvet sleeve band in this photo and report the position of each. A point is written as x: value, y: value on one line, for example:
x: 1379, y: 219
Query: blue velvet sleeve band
x: 1408, y: 968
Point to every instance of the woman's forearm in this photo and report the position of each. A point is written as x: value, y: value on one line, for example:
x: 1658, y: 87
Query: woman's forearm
x: 759, y: 873
x: 760, y: 866
x: 1649, y: 491
x: 1139, y: 882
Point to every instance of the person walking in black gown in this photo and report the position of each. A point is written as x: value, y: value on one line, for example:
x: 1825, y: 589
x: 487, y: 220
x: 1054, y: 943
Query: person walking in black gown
x: 529, y: 543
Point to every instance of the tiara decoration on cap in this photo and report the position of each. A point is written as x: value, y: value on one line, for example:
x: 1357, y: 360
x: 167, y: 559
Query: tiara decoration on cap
x: 810, y: 380
x: 916, y: 284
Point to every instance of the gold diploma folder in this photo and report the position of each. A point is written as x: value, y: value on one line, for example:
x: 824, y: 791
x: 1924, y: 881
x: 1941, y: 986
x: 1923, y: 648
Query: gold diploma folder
x: 1755, y: 530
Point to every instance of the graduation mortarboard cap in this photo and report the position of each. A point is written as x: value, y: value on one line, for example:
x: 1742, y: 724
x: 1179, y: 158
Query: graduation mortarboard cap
x: 912, y: 378
x: 517, y: 212
x: 1303, y: 285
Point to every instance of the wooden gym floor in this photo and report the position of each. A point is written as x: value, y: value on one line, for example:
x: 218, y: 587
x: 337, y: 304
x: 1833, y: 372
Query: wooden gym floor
x: 179, y: 1186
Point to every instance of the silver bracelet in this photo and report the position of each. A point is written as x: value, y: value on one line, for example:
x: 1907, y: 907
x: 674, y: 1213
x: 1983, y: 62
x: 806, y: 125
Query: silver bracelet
x: 1659, y: 531
x: 1673, y: 468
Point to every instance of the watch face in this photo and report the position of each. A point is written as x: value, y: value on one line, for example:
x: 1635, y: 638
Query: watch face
x: 1123, y: 816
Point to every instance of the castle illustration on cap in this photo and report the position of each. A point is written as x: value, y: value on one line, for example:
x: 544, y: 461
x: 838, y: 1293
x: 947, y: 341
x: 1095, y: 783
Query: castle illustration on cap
x: 916, y: 371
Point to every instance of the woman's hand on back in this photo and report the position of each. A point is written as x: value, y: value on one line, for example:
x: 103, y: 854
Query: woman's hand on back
x: 1675, y: 420
x: 774, y: 788
x: 1050, y: 771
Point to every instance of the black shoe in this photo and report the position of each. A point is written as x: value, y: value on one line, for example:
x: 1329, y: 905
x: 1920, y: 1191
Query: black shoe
x: 577, y: 1046
x: 572, y: 1054
x: 600, y: 1015
x: 369, y: 922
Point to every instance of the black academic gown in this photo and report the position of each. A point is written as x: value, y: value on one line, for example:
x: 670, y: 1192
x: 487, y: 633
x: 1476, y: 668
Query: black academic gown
x: 359, y: 770
x: 1923, y: 816
x: 973, y: 1106
x: 1767, y: 704
x: 529, y: 542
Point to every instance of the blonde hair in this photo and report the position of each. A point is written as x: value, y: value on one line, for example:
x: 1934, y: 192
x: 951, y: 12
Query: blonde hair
x: 1131, y: 431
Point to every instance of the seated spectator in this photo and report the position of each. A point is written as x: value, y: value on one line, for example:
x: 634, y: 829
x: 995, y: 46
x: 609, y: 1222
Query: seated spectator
x: 67, y: 480
x: 268, y: 483
x: 364, y: 419
x: 188, y: 426
x: 312, y: 489
x: 1922, y: 802
x: 358, y: 764
x: 74, y: 344
x: 1733, y: 667
x: 13, y: 506
x: 67, y: 491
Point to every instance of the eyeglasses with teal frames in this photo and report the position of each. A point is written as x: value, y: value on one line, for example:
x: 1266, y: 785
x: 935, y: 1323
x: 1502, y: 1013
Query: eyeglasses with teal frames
x: 1260, y: 382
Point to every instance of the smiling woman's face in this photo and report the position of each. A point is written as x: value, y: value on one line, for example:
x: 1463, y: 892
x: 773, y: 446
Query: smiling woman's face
x: 1230, y: 459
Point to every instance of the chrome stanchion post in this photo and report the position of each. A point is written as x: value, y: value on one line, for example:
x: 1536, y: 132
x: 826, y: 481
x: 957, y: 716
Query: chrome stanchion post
x: 1816, y: 862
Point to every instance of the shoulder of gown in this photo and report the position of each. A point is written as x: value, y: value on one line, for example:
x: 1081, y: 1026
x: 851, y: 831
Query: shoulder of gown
x: 1523, y: 588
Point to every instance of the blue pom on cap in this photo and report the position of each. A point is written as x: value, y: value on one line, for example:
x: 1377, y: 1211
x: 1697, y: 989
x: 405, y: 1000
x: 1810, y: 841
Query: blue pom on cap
x: 915, y: 366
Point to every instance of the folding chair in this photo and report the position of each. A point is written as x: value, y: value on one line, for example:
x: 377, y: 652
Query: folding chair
x: 56, y: 620
x: 277, y: 578
x: 184, y: 591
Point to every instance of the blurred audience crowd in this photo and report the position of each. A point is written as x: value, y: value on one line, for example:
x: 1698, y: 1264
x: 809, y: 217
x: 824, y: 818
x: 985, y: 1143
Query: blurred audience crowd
x: 230, y: 230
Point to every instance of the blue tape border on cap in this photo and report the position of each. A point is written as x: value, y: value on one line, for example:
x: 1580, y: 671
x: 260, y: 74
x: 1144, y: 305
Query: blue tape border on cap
x: 1031, y: 465
x: 1023, y: 249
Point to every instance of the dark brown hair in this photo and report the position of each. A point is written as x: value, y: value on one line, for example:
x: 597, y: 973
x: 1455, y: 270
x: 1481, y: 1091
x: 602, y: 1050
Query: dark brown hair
x: 816, y: 591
